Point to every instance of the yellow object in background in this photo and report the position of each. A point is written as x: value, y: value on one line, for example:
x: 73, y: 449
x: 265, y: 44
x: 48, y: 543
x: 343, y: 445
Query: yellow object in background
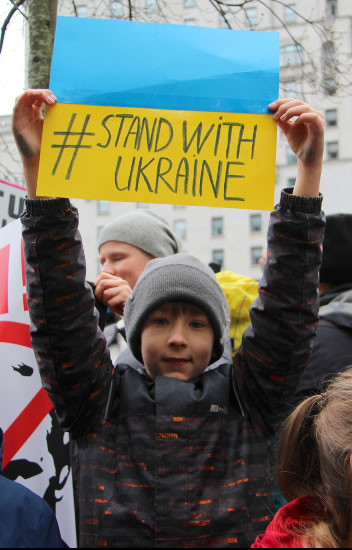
x: 240, y: 292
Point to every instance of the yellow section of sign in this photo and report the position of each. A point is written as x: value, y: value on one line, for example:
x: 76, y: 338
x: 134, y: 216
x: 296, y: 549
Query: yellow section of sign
x: 158, y: 156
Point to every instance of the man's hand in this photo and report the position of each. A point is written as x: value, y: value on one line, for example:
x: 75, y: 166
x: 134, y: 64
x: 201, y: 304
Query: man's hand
x: 112, y: 291
x: 27, y: 128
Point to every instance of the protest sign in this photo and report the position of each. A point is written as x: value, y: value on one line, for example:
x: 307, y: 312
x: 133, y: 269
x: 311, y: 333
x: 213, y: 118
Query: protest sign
x: 161, y: 113
x: 35, y: 451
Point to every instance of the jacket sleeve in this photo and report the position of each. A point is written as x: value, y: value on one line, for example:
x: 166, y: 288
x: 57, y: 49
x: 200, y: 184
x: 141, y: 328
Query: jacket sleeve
x: 277, y: 345
x: 70, y: 349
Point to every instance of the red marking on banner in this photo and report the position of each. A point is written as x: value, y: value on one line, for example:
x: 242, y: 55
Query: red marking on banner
x: 25, y: 305
x: 13, y: 185
x: 15, y: 333
x: 25, y: 424
x: 4, y: 279
x: 22, y: 264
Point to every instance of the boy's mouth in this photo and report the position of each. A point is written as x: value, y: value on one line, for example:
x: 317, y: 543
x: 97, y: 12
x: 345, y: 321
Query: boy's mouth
x: 177, y: 361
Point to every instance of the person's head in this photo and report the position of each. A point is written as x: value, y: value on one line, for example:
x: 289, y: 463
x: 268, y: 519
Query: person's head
x: 314, y: 459
x: 177, y: 318
x: 336, y: 267
x: 129, y: 242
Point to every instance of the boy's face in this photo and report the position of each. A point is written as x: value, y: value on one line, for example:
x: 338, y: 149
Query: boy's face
x: 123, y: 260
x: 177, y: 341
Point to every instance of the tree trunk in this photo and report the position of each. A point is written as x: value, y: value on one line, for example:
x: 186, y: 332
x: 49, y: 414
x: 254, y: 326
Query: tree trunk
x: 41, y: 27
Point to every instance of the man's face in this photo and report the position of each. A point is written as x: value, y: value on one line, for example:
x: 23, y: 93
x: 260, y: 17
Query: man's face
x: 123, y: 260
x: 177, y: 341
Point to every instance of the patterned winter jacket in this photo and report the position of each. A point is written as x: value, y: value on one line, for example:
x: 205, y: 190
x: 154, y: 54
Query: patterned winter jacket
x: 167, y: 463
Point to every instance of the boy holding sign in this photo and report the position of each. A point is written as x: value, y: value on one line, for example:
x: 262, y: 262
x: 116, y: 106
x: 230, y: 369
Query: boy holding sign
x: 175, y: 456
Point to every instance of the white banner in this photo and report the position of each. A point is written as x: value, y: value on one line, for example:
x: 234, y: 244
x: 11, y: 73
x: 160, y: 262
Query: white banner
x: 36, y: 451
x: 11, y: 201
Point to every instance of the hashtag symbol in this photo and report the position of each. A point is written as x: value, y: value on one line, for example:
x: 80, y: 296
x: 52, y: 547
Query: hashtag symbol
x: 76, y: 146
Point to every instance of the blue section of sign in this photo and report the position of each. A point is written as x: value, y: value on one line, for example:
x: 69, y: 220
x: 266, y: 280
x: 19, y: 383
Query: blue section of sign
x: 154, y: 65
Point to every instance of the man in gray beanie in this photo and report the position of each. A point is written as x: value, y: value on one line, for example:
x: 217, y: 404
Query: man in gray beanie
x: 126, y: 245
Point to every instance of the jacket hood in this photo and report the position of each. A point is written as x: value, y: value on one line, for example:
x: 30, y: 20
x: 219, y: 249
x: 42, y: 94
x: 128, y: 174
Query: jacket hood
x: 339, y: 310
x: 1, y: 447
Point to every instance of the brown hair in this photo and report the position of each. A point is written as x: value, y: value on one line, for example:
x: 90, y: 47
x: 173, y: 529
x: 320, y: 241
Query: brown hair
x: 314, y: 450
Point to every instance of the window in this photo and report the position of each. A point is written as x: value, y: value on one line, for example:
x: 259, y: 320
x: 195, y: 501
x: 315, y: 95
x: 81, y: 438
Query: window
x: 329, y: 85
x: 180, y: 228
x: 190, y: 21
x: 332, y: 150
x: 329, y: 53
x: 291, y: 157
x: 117, y: 8
x: 190, y: 3
x: 251, y: 16
x: 290, y: 13
x: 217, y: 226
x: 291, y: 182
x: 291, y: 55
x: 218, y: 257
x: 255, y: 221
x: 82, y: 11
x: 178, y: 206
x: 142, y: 205
x: 290, y: 88
x: 331, y: 117
x: 103, y: 207
x: 331, y: 8
x: 151, y: 6
x: 328, y: 60
x: 256, y: 254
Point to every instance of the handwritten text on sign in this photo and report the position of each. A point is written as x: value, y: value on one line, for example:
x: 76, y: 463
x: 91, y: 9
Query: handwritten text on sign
x: 161, y: 156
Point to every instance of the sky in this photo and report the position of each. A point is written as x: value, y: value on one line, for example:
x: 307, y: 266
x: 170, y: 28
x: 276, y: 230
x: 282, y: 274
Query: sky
x: 11, y: 60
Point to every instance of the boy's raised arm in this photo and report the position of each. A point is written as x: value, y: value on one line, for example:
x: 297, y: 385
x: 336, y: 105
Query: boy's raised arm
x: 277, y: 344
x: 70, y: 349
x: 303, y: 127
x: 27, y: 128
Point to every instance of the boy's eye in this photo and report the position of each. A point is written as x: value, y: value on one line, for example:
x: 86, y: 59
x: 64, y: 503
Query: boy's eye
x: 197, y: 324
x: 160, y: 321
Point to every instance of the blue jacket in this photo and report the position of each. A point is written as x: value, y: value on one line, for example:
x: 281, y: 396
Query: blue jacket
x: 26, y: 520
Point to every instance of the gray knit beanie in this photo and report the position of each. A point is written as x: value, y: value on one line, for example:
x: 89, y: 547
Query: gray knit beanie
x: 178, y: 278
x: 145, y: 230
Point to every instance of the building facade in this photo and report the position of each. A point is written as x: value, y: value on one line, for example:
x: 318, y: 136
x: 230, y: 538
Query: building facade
x: 316, y: 44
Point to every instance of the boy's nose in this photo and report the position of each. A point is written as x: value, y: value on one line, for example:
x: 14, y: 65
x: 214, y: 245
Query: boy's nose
x: 177, y: 336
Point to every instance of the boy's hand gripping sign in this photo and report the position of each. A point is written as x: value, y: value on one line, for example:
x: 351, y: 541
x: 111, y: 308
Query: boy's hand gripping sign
x: 161, y: 113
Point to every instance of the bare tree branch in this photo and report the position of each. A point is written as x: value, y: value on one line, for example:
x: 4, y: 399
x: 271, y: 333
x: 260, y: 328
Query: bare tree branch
x: 8, y: 18
x: 130, y: 11
x: 217, y: 5
x: 74, y: 8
